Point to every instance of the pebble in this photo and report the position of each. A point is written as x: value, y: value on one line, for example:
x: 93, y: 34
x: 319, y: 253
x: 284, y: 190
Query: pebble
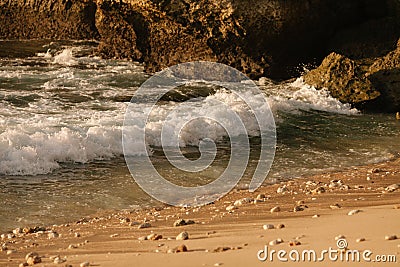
x: 59, y: 260
x: 260, y: 197
x: 280, y: 226
x: 268, y: 226
x: 362, y: 239
x: 294, y: 243
x: 256, y: 201
x: 218, y: 264
x: 134, y: 223
x: 154, y: 237
x: 84, y: 264
x: 23, y: 264
x: 390, y: 237
x: 275, y: 209
x: 72, y: 246
x: 315, y: 216
x: 77, y: 235
x: 180, y: 248
x: 221, y: 249
x: 17, y: 231
x: 31, y: 255
x: 392, y: 188
x: 33, y: 260
x: 275, y: 242
x: 376, y: 170
x: 335, y: 206
x: 114, y: 235
x: 242, y: 201
x: 124, y: 220
x: 52, y: 235
x: 353, y: 212
x: 318, y: 190
x: 231, y: 208
x: 182, y: 222
x: 282, y: 189
x: 144, y: 225
x: 182, y: 236
x: 9, y: 252
x: 299, y: 208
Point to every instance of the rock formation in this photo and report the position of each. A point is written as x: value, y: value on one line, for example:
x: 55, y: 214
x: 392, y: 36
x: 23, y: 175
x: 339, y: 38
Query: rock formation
x: 259, y: 37
x: 343, y: 79
x: 375, y: 88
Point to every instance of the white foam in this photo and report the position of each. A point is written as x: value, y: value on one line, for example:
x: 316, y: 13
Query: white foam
x: 300, y: 96
x: 65, y: 58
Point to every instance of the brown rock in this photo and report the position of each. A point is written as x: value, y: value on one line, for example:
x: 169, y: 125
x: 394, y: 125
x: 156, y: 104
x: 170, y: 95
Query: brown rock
x: 343, y: 80
x: 181, y: 248
x: 384, y: 73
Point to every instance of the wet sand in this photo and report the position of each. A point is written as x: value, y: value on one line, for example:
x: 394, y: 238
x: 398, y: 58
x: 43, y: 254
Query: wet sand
x: 231, y: 232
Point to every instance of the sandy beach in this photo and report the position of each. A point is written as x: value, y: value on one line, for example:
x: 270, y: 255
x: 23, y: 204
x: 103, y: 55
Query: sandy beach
x: 312, y: 214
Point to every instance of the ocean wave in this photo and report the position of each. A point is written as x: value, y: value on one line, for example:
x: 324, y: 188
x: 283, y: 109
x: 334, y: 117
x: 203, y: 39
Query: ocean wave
x: 77, y: 114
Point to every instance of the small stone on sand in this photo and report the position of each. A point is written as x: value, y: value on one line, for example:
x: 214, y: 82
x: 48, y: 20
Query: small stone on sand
x: 52, y: 235
x: 260, y: 197
x: 275, y: 209
x: 221, y: 249
x: 362, y: 239
x: 181, y: 248
x: 390, y: 237
x: 154, y: 237
x: 280, y: 226
x: 231, y: 208
x: 268, y: 226
x: 353, y: 212
x: 275, y: 242
x: 294, y: 243
x: 392, y: 188
x: 144, y: 225
x: 59, y: 260
x: 335, y: 206
x: 315, y: 216
x: 182, y: 236
x: 318, y: 190
x: 31, y: 254
x: 33, y: 260
x: 84, y: 264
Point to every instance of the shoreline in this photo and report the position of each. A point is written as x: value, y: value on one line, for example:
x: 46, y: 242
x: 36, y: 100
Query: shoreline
x: 233, y: 225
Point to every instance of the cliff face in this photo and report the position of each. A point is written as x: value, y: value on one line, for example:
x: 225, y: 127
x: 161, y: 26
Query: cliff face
x: 47, y: 19
x: 258, y: 37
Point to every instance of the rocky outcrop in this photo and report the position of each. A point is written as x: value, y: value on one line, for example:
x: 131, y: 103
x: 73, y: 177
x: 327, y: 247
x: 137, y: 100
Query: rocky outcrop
x: 343, y: 78
x: 259, y: 37
x: 384, y: 73
x: 374, y: 88
x: 47, y: 19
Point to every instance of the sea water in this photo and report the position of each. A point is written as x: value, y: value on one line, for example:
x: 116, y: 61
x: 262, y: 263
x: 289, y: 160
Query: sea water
x: 61, y: 118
